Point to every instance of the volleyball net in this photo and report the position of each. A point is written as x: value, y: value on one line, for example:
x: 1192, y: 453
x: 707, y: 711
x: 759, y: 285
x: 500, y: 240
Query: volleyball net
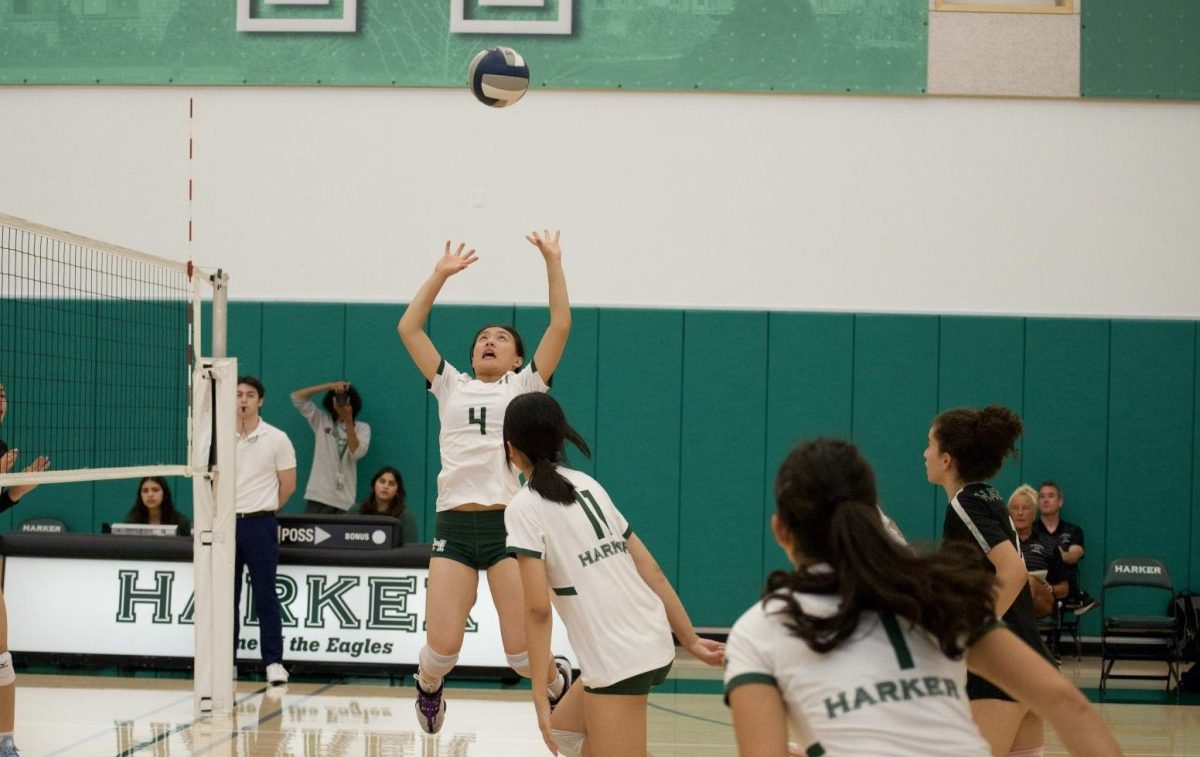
x: 103, y: 378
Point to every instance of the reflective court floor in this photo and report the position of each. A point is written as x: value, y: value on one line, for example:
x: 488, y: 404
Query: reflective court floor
x: 112, y: 715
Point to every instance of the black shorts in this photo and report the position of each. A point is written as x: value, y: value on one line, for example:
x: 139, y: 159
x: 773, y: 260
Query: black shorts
x: 1021, y: 620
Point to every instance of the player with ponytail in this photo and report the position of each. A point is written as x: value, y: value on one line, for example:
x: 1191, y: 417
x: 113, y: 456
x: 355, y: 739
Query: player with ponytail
x: 864, y: 648
x: 618, y: 607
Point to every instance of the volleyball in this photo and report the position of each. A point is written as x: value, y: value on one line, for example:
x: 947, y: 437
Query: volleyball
x: 498, y: 76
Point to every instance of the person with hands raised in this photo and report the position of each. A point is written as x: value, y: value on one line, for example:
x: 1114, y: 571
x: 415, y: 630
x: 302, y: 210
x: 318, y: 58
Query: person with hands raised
x: 340, y: 441
x: 474, y: 486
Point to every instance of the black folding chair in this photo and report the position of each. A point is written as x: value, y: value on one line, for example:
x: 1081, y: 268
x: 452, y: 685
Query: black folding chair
x: 1138, y: 637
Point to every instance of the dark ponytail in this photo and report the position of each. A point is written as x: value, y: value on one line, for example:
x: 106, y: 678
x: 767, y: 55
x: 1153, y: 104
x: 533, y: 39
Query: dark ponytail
x: 535, y: 425
x: 827, y: 501
x: 978, y: 440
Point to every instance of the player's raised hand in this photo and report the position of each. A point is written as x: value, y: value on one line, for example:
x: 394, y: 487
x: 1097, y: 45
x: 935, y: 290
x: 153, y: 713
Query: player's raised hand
x: 453, y: 262
x: 708, y: 651
x: 8, y: 459
x: 39, y: 465
x: 547, y: 244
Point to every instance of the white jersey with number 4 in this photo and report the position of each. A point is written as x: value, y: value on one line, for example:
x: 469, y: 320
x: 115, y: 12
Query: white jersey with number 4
x: 888, y: 689
x: 471, y: 440
x: 616, y: 623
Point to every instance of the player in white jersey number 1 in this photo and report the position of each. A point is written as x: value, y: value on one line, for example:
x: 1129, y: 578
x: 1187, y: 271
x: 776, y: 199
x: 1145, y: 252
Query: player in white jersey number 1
x: 862, y: 646
x: 618, y: 607
x: 474, y: 487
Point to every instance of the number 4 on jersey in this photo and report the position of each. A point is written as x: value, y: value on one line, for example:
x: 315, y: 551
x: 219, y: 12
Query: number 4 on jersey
x: 480, y: 420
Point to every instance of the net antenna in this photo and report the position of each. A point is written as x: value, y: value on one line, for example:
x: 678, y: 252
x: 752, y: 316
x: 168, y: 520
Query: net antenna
x: 103, y: 375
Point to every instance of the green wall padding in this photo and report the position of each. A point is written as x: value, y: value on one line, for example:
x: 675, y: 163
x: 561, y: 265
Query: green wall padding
x: 810, y: 371
x: 981, y: 362
x: 1151, y: 429
x: 639, y: 401
x: 723, y: 462
x: 1140, y: 49
x: 895, y: 399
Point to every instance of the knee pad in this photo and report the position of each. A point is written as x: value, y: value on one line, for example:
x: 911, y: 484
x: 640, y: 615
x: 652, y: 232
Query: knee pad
x: 519, y: 663
x: 570, y: 743
x: 8, y: 676
x: 435, y: 666
x: 1037, y: 751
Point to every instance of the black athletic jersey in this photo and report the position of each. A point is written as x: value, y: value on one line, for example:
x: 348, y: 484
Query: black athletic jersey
x: 1040, y: 551
x: 1067, y: 535
x: 6, y: 501
x: 979, y: 516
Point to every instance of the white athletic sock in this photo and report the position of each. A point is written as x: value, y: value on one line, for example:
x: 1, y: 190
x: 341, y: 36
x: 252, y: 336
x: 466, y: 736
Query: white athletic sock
x: 1037, y: 751
x: 433, y: 668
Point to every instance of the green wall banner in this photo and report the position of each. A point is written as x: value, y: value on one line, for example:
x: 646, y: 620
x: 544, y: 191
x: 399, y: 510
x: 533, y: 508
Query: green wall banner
x: 876, y: 46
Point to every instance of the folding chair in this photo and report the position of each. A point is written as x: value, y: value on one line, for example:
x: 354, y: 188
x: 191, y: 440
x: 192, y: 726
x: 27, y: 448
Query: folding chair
x: 1137, y: 637
x: 1052, y: 627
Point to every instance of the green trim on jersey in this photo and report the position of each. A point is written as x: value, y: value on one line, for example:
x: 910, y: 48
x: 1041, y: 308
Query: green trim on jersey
x: 746, y: 678
x: 896, y: 636
x: 526, y: 552
x: 566, y: 591
x: 441, y: 366
x: 628, y: 532
x: 815, y: 750
x: 984, y: 630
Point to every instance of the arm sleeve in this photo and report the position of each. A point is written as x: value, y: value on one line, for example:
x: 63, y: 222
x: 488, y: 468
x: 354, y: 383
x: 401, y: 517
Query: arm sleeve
x: 747, y: 651
x: 1076, y: 535
x: 444, y: 380
x: 6, y: 502
x: 524, y: 533
x: 363, y: 431
x: 310, y: 411
x: 529, y: 380
x: 285, y: 453
x: 981, y: 520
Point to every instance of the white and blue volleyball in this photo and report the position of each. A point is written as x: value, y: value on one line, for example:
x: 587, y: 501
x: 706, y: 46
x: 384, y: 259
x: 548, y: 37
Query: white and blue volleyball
x: 498, y: 76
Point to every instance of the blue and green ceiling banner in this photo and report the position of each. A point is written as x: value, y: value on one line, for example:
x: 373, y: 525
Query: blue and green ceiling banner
x: 876, y: 46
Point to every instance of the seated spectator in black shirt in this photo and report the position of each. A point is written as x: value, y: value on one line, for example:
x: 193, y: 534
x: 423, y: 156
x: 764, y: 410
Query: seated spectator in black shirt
x: 1069, y: 538
x: 1039, y: 551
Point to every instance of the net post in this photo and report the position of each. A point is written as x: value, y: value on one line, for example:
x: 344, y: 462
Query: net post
x: 214, y: 538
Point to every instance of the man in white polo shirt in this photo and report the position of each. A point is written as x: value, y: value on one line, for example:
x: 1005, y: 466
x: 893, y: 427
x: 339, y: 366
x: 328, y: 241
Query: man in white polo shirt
x: 266, y: 477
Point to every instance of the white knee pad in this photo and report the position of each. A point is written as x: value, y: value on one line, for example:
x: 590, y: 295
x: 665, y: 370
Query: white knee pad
x: 569, y: 743
x: 8, y: 676
x: 1037, y: 751
x: 435, y: 666
x: 519, y: 663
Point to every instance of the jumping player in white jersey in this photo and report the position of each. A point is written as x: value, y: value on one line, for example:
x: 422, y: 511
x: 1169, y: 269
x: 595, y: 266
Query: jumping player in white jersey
x: 618, y: 607
x: 474, y: 486
x: 862, y: 646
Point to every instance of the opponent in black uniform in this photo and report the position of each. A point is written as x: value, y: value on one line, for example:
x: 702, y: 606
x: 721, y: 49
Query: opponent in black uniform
x: 967, y: 447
